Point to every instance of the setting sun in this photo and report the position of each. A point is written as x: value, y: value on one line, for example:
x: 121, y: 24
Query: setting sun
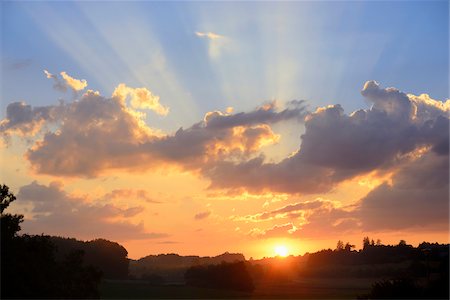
x: 281, y: 250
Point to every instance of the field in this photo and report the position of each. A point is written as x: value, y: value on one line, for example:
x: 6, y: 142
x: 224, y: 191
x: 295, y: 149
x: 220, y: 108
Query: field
x: 139, y: 290
x: 347, y: 288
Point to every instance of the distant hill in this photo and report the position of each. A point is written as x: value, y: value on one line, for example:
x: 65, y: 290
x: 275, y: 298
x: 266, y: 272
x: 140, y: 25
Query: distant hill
x: 172, y: 266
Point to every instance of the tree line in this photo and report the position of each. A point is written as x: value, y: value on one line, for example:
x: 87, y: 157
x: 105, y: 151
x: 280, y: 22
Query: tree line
x: 41, y: 266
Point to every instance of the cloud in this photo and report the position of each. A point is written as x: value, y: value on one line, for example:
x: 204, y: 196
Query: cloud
x: 319, y: 217
x: 59, y: 213
x: 296, y: 210
x: 266, y: 114
x: 141, y: 98
x: 19, y: 64
x: 209, y: 35
x: 66, y: 81
x: 275, y: 231
x: 216, y: 43
x: 168, y: 242
x: 24, y: 120
x: 75, y: 84
x: 416, y: 198
x: 100, y: 134
x: 97, y: 133
x: 336, y: 146
x: 124, y: 194
x: 202, y: 215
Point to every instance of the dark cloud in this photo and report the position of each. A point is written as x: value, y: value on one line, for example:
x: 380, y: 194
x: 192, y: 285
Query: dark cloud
x: 417, y: 197
x: 58, y: 213
x: 266, y: 114
x: 202, y: 215
x: 99, y: 134
x: 336, y: 146
x: 19, y: 64
x: 24, y: 120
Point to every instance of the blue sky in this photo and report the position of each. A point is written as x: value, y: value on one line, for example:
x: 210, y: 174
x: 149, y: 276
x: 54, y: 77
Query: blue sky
x: 321, y: 52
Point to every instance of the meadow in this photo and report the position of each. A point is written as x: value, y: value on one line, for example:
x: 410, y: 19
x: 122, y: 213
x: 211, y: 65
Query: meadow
x: 311, y: 288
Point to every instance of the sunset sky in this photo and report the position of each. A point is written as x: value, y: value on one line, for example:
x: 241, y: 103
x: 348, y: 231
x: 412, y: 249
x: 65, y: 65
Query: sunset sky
x: 205, y: 127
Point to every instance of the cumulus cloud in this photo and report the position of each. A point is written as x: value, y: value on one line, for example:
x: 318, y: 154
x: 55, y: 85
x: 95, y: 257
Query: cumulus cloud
x: 400, y: 134
x: 101, y: 134
x: 141, y: 98
x: 24, y: 120
x: 417, y: 197
x: 202, y: 215
x: 66, y: 82
x: 336, y: 146
x: 59, y: 213
x: 74, y: 84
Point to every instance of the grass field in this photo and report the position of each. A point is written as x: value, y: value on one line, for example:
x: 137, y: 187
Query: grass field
x: 347, y: 288
x: 139, y: 290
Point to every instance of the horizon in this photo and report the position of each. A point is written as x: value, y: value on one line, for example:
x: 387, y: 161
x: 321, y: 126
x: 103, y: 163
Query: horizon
x: 274, y: 254
x: 258, y: 128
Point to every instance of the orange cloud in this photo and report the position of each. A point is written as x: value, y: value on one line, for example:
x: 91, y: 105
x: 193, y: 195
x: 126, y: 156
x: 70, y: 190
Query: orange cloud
x: 66, y: 81
x: 75, y: 84
x: 141, y: 98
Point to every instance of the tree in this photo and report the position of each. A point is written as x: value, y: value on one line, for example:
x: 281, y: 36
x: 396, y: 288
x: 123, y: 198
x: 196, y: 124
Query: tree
x: 340, y: 245
x: 348, y: 247
x: 402, y: 243
x: 10, y: 224
x: 366, y: 242
x: 30, y: 269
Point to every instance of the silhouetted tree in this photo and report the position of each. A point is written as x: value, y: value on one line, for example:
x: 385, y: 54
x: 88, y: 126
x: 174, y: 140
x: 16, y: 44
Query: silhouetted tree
x: 10, y: 224
x: 340, y: 245
x: 402, y: 243
x: 366, y: 242
x: 29, y: 268
x: 348, y: 247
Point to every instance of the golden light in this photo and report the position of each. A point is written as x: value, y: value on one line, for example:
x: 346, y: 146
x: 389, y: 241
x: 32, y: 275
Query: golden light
x: 281, y: 250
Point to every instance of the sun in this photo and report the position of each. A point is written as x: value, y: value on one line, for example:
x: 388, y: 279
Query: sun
x: 281, y: 251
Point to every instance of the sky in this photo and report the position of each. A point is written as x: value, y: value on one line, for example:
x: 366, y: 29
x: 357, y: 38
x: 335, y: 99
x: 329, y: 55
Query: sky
x: 205, y: 127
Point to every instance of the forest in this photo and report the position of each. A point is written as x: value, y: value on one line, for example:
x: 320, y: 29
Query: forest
x: 42, y: 266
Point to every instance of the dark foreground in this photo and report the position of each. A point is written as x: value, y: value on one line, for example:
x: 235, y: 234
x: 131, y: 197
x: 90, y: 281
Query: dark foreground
x: 348, y: 288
